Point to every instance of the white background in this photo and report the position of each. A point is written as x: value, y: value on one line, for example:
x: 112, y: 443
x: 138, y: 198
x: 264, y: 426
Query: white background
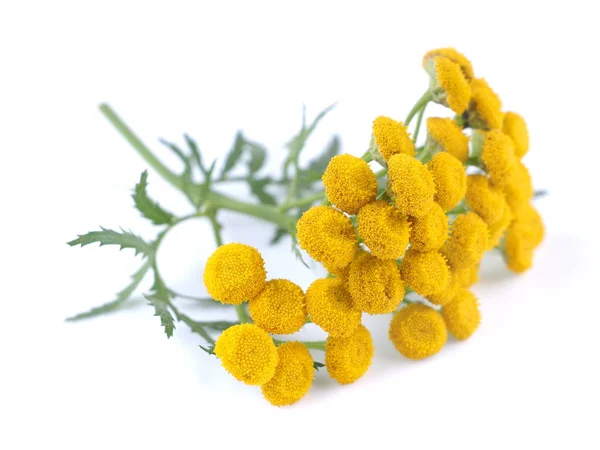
x: 527, y: 379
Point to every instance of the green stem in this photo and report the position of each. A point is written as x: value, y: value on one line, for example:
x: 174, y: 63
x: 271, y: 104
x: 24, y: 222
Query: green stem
x: 426, y: 98
x: 313, y: 345
x: 419, y: 120
x: 367, y: 156
x: 319, y: 196
x: 242, y: 314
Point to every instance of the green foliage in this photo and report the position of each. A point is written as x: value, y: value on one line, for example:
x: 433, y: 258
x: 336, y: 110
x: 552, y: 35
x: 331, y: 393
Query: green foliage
x: 148, y: 207
x: 257, y: 187
x: 159, y: 297
x: 234, y: 154
x: 317, y: 365
x: 124, y: 239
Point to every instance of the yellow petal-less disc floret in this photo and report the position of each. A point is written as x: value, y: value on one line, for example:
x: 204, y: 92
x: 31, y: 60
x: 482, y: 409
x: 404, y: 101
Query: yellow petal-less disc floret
x: 468, y: 241
x: 389, y: 138
x: 234, y: 273
x: 383, y: 229
x: 248, y: 353
x: 522, y: 237
x: 429, y: 232
x: 349, y: 183
x: 519, y: 189
x: 411, y: 184
x: 328, y: 236
x: 449, y: 178
x: 293, y: 376
x: 418, y: 331
x: 462, y: 315
x: 348, y: 358
x: 375, y: 284
x: 444, y: 134
x: 468, y: 276
x: 514, y: 127
x: 426, y: 273
x: 485, y: 108
x: 331, y: 307
x: 485, y: 199
x: 497, y: 230
x: 498, y: 157
x: 448, y: 84
x: 280, y: 308
x: 448, y: 293
x: 454, y: 56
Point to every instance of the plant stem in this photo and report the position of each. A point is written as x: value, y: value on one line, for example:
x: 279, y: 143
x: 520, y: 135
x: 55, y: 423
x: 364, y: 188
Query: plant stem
x: 419, y: 120
x: 426, y: 98
x: 313, y: 345
x: 319, y: 196
x: 242, y: 314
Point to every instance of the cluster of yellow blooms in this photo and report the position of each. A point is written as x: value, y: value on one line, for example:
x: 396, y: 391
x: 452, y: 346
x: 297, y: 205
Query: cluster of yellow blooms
x: 445, y: 204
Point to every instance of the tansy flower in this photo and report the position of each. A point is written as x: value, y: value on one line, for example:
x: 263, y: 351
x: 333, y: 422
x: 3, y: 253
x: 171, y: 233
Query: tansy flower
x: 446, y: 295
x: 375, y: 285
x: 293, y: 376
x: 426, y: 273
x: 498, y: 156
x: 234, y: 273
x: 279, y: 308
x: 485, y: 108
x: 445, y: 135
x: 484, y: 199
x: 529, y: 223
x: 519, y: 190
x: 411, y: 184
x: 331, y: 307
x: 349, y: 183
x: 467, y: 242
x: 389, y: 138
x: 248, y: 353
x: 418, y: 331
x: 518, y: 250
x: 328, y: 236
x: 383, y: 229
x: 462, y: 315
x: 468, y: 276
x: 348, y: 358
x: 448, y: 84
x: 497, y: 230
x: 449, y: 178
x: 454, y: 56
x: 514, y: 127
x: 429, y: 232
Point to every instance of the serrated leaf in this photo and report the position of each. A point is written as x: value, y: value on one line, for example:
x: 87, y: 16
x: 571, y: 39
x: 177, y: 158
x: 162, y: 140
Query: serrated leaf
x: 124, y: 239
x: 258, y: 156
x: 159, y: 298
x: 234, y: 154
x: 187, y: 171
x: 297, y: 143
x: 191, y: 143
x: 210, y: 350
x: 279, y: 234
x: 257, y: 186
x: 150, y: 209
x: 319, y: 164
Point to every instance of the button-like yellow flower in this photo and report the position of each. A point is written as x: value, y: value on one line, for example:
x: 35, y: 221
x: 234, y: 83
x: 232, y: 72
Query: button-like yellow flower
x: 484, y: 199
x: 348, y: 358
x: 449, y: 178
x: 328, y: 236
x: 349, y: 183
x: 418, y: 331
x: 485, y: 108
x: 498, y: 156
x: 519, y: 189
x: 429, y: 232
x: 467, y: 277
x: 467, y: 242
x: 383, y: 229
x: 497, y: 230
x: 453, y: 55
x: 448, y: 84
x: 331, y: 307
x: 411, y: 185
x: 426, y: 273
x: 447, y: 295
x: 523, y: 236
x: 279, y: 308
x: 293, y: 376
x: 234, y: 273
x: 375, y: 284
x: 462, y: 315
x: 389, y: 138
x: 514, y: 126
x: 248, y: 353
x: 444, y: 134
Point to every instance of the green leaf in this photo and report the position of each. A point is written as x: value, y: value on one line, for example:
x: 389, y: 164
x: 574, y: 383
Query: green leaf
x: 319, y: 164
x: 187, y: 171
x: 279, y: 234
x: 257, y: 186
x: 258, y: 156
x: 317, y: 365
x: 195, y: 152
x: 124, y: 239
x: 122, y: 296
x: 159, y: 298
x: 148, y: 207
x: 210, y: 350
x: 234, y: 154
x: 297, y: 143
x: 218, y: 325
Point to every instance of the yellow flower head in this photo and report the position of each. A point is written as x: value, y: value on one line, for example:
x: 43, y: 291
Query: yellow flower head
x: 389, y: 138
x: 429, y: 232
x: 485, y: 108
x: 514, y: 127
x: 453, y: 55
x: 426, y: 273
x: 279, y: 308
x: 519, y: 189
x: 462, y: 315
x: 234, y: 273
x: 383, y: 229
x: 448, y: 84
x: 349, y: 183
x: 328, y: 236
x: 248, y: 353
x: 497, y: 230
x: 331, y: 307
x: 447, y: 295
x: 348, y: 358
x: 375, y: 284
x: 467, y: 242
x: 484, y: 199
x: 498, y: 156
x: 528, y: 224
x: 418, y: 331
x: 449, y: 178
x: 444, y: 134
x: 518, y: 249
x: 469, y: 276
x: 293, y: 376
x: 411, y: 184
